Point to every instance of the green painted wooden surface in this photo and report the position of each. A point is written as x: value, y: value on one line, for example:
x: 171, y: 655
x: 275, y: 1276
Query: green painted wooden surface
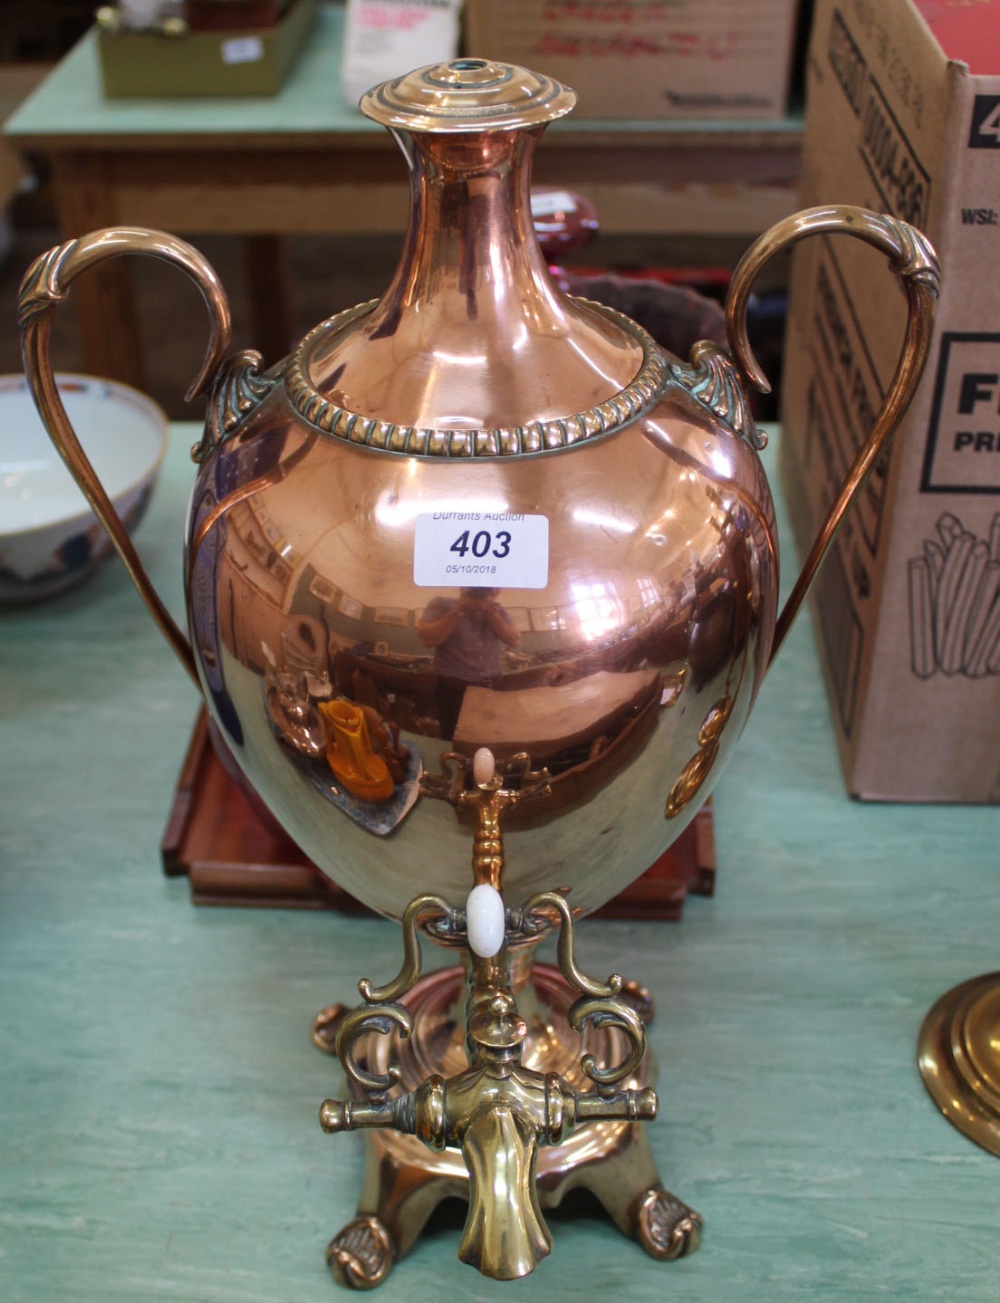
x: 71, y: 102
x: 159, y: 1092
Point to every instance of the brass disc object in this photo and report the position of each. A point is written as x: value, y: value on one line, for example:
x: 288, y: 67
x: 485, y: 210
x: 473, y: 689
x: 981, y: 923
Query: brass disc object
x: 958, y: 1051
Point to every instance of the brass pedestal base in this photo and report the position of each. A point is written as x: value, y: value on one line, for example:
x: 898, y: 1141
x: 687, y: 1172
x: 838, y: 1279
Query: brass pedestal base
x: 959, y: 1057
x: 404, y: 1181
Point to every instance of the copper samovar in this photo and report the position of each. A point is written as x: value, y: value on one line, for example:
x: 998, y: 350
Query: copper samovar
x: 481, y: 587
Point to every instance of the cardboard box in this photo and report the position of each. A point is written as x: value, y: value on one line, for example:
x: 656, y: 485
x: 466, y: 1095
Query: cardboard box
x: 638, y: 59
x: 903, y: 115
x: 238, y: 62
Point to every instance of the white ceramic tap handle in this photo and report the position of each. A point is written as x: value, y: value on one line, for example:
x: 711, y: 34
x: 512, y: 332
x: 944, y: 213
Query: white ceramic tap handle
x: 484, y: 767
x: 485, y: 918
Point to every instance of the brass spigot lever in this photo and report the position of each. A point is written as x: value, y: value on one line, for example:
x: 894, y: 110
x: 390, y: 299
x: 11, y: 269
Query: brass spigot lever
x: 416, y: 1113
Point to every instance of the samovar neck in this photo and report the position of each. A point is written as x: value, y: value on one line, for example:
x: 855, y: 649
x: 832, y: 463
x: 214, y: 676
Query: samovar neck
x: 472, y: 343
x: 468, y: 130
x: 470, y: 233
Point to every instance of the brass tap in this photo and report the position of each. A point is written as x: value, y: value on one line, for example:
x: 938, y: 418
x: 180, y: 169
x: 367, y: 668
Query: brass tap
x: 496, y: 1111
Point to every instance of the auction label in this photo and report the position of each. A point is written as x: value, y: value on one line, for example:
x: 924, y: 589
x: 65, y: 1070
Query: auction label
x: 455, y: 549
x: 242, y: 49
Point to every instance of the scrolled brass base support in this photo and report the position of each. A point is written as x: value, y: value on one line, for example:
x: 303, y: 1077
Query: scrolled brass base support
x: 539, y: 1089
x: 404, y: 1182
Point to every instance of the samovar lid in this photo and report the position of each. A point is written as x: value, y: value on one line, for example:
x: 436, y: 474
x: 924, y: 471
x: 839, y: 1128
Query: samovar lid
x: 468, y: 95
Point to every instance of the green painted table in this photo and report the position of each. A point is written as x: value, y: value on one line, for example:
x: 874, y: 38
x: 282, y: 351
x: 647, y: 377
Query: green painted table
x: 159, y: 1091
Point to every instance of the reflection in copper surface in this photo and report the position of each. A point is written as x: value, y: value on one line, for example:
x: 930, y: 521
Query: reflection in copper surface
x: 467, y: 634
x: 652, y: 613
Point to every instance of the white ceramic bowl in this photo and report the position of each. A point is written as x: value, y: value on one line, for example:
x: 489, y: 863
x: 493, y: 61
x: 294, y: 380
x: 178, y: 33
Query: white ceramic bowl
x: 49, y: 538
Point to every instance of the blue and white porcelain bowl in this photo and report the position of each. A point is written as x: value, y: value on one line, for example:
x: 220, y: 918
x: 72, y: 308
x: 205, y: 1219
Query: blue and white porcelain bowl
x: 49, y: 538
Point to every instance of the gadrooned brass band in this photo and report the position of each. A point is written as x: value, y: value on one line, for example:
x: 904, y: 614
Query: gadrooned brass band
x: 508, y: 441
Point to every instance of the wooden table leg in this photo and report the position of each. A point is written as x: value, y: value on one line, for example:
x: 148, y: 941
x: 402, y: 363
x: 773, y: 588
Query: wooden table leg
x: 104, y: 299
x: 265, y: 259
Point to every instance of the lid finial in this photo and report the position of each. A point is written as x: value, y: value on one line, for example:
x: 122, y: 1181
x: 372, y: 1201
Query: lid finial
x: 468, y: 95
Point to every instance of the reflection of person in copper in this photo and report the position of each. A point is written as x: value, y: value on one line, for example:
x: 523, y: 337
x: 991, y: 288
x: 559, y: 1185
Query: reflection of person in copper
x: 466, y: 633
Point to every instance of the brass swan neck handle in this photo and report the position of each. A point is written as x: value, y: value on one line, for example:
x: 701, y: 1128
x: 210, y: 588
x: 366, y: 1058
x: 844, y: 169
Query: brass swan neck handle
x: 914, y: 261
x: 45, y: 285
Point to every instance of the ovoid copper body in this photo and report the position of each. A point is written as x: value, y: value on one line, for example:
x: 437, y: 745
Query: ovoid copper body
x: 475, y: 387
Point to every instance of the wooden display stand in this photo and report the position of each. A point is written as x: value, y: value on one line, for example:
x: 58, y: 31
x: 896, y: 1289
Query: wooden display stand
x: 234, y: 854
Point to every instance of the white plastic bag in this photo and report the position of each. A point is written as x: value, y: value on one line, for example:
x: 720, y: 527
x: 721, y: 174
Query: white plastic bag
x: 387, y: 38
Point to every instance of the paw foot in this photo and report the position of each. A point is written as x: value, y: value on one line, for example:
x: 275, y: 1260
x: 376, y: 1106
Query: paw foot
x: 360, y: 1256
x: 665, y: 1227
x: 640, y: 998
x: 325, y: 1026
